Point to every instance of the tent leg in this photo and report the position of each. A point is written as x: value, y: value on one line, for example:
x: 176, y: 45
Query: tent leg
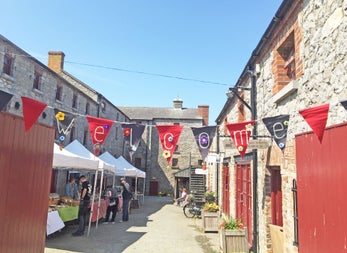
x: 92, y: 203
x: 97, y: 216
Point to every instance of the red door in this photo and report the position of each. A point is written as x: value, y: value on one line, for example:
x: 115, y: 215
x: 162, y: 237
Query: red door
x: 153, y: 188
x: 226, y: 188
x: 276, y: 197
x: 244, y: 197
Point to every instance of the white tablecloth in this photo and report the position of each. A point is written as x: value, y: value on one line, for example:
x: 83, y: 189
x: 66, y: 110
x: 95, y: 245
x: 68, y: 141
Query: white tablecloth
x: 54, y: 222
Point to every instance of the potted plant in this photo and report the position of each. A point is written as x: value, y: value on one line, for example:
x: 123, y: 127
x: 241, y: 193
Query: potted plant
x: 210, y: 196
x: 233, y: 235
x: 210, y: 217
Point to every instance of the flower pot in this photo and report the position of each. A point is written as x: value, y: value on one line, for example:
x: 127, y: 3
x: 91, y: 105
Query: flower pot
x: 210, y: 198
x: 210, y: 221
x: 234, y: 241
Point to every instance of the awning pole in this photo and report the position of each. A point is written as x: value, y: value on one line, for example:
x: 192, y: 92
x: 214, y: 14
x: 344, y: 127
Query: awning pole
x: 92, y: 202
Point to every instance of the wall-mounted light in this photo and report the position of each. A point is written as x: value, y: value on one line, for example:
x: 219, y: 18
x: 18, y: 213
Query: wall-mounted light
x: 44, y: 115
x: 16, y: 105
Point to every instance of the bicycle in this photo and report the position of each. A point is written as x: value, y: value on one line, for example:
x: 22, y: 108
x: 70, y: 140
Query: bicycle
x: 192, y: 208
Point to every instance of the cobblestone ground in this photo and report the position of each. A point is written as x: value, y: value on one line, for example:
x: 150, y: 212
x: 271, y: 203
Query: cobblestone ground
x: 157, y: 226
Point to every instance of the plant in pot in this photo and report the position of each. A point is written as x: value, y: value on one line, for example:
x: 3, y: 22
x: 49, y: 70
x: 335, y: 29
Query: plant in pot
x: 210, y: 216
x: 233, y: 235
x: 210, y: 196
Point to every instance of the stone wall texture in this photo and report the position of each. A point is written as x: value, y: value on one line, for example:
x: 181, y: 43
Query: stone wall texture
x: 320, y: 31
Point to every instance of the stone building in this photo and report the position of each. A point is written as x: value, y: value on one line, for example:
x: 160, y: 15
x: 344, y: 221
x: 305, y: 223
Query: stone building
x: 23, y: 75
x: 300, y: 62
x: 160, y: 176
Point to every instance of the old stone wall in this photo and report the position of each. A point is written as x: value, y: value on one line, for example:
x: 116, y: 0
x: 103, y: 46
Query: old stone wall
x: 323, y: 55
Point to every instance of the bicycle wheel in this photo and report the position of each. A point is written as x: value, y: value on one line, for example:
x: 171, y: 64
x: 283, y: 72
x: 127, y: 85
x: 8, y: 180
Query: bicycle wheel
x: 188, y: 211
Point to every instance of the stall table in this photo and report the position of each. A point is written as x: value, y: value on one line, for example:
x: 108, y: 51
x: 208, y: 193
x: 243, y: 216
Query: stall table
x: 54, y: 222
x: 102, y: 211
x: 68, y: 213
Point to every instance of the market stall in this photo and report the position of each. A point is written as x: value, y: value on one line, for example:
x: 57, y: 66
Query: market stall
x: 77, y: 148
x: 126, y: 169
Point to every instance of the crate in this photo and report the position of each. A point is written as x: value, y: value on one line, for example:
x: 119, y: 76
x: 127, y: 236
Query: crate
x: 210, y: 221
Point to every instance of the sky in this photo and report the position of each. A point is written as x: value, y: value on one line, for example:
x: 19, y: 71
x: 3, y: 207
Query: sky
x: 145, y: 52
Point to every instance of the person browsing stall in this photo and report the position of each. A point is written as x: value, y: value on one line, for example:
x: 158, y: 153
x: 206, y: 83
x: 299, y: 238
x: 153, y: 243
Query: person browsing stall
x: 71, y: 189
x: 112, y: 207
x: 84, y: 205
x: 126, y: 195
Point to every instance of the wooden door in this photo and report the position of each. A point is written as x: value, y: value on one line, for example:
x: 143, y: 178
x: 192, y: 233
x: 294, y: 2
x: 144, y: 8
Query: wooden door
x: 244, y: 197
x: 153, y: 188
x: 276, y: 197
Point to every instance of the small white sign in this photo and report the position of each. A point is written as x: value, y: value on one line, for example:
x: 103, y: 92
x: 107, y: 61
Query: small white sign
x: 200, y: 172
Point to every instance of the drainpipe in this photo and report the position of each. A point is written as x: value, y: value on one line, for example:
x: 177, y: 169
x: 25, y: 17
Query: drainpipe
x: 217, y: 167
x: 255, y: 160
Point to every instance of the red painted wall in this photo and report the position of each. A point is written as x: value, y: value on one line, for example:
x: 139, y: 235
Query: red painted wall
x: 25, y: 176
x: 322, y: 189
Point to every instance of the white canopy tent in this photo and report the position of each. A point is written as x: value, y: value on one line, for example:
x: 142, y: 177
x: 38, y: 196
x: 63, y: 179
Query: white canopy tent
x: 65, y: 159
x: 131, y: 171
x: 125, y: 169
x: 77, y: 148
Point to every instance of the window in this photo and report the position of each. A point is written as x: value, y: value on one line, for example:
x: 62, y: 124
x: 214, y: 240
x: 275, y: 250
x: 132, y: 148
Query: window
x: 87, y: 108
x: 287, y: 65
x: 287, y: 58
x: 59, y: 93
x: 72, y: 134
x: 37, y: 80
x: 295, y: 216
x: 138, y: 162
x: 174, y: 162
x: 103, y: 106
x: 116, y: 134
x: 74, y: 101
x: 8, y: 64
x: 241, y: 109
x: 85, y: 137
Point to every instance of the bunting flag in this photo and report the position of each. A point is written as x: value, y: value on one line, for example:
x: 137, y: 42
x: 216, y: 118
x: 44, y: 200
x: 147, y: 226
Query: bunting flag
x: 132, y: 136
x: 169, y: 136
x: 344, y: 104
x: 278, y: 127
x: 4, y: 99
x: 317, y: 118
x: 99, y: 129
x: 204, y: 137
x: 64, y: 122
x: 31, y: 111
x: 240, y: 134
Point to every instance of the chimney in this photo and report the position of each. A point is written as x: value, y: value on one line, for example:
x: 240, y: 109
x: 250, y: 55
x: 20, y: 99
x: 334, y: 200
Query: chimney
x: 203, y: 112
x: 56, y: 61
x: 177, y: 103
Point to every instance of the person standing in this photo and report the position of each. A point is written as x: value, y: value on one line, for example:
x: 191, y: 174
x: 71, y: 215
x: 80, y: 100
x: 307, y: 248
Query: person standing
x: 126, y: 195
x: 71, y: 189
x: 84, y: 205
x: 112, y: 206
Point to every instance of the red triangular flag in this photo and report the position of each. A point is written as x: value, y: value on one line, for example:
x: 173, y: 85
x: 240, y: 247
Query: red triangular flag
x: 169, y: 136
x: 99, y: 129
x: 240, y: 133
x: 317, y: 118
x: 31, y: 111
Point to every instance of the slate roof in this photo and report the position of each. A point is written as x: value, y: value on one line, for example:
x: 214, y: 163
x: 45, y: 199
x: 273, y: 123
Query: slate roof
x: 151, y: 113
